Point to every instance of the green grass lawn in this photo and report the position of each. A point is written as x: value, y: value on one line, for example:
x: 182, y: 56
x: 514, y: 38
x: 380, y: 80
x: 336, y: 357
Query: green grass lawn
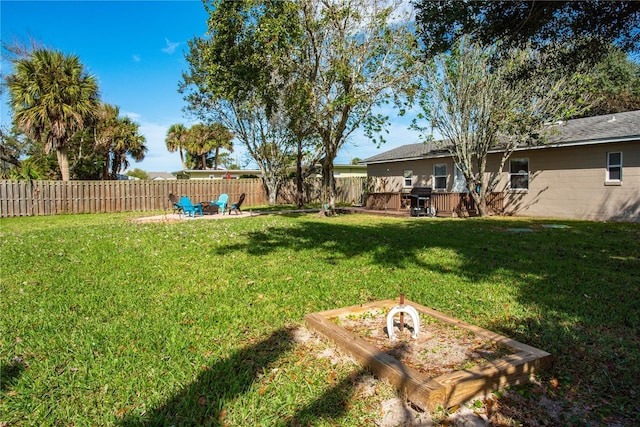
x: 107, y: 322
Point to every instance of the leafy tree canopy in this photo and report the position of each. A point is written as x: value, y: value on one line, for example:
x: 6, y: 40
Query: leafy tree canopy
x: 586, y: 28
x: 138, y: 173
x: 614, y: 84
x: 294, y: 71
x: 240, y: 54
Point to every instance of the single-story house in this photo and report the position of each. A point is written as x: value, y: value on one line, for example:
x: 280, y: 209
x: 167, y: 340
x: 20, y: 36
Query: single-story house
x: 216, y: 173
x: 349, y: 171
x: 339, y: 171
x: 161, y: 176
x: 588, y: 169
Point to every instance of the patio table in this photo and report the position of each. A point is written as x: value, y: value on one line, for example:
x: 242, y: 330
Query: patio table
x: 210, y: 208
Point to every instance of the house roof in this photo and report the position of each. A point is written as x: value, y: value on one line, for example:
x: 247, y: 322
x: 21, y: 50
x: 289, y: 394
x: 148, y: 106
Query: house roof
x: 418, y: 150
x: 258, y: 171
x: 160, y: 175
x: 616, y: 127
x: 598, y: 129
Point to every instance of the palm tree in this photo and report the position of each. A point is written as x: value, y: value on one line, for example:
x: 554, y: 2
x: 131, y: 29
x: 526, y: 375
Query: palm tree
x: 200, y: 143
x: 52, y: 98
x: 116, y: 138
x: 222, y: 139
x: 127, y: 143
x: 105, y: 130
x: 176, y: 140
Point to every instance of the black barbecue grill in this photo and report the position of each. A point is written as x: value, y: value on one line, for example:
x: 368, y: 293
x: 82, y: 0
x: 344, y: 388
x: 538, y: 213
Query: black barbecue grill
x: 421, y: 201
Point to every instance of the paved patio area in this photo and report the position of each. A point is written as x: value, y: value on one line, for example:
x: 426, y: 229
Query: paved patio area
x: 340, y: 210
x: 177, y: 218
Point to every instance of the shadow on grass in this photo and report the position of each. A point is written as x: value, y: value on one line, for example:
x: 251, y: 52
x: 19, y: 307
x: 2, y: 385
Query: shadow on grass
x: 331, y: 405
x: 10, y: 373
x: 202, y: 402
x: 576, y: 290
x: 336, y: 401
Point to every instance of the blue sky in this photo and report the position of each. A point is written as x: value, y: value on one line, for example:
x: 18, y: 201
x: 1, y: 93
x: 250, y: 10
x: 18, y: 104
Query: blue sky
x: 136, y: 51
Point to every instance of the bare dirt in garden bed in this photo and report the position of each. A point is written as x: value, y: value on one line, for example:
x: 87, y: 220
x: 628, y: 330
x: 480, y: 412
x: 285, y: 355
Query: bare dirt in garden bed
x: 439, y: 348
x: 533, y: 405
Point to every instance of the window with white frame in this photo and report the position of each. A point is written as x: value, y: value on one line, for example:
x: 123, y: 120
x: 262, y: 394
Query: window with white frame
x: 614, y: 166
x: 408, y: 178
x: 440, y: 176
x: 519, y: 174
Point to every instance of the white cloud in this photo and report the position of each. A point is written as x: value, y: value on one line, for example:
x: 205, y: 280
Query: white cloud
x: 171, y: 46
x: 136, y: 57
x: 158, y: 158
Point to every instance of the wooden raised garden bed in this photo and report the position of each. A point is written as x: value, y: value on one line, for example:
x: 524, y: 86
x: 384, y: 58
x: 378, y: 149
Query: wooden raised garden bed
x: 500, y: 362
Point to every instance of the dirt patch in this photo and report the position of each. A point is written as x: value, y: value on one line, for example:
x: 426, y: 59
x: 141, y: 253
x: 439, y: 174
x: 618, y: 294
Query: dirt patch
x: 439, y: 348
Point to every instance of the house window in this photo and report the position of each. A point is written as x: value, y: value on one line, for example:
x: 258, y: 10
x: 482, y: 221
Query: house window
x: 614, y: 167
x: 408, y: 178
x: 440, y: 176
x: 519, y: 174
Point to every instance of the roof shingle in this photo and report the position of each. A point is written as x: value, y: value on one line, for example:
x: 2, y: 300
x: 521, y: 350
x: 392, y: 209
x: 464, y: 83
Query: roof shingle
x: 586, y: 130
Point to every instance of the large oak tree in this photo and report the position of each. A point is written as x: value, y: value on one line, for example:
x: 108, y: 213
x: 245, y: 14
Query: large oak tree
x: 325, y: 66
x: 239, y: 75
x: 357, y: 56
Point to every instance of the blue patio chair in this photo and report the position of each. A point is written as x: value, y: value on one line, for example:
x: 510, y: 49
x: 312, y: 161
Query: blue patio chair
x: 221, y: 202
x: 188, y: 208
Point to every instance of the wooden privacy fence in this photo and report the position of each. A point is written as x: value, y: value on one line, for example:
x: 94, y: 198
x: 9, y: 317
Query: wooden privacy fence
x: 31, y: 198
x: 348, y: 190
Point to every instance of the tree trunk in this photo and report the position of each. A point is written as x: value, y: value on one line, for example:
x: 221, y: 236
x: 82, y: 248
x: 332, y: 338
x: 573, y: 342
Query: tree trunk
x: 299, y: 188
x: 63, y: 162
x: 483, y: 209
x: 480, y: 200
x: 272, y: 185
x: 105, y: 167
x: 182, y: 159
x: 481, y: 192
x: 328, y: 186
x: 272, y: 190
